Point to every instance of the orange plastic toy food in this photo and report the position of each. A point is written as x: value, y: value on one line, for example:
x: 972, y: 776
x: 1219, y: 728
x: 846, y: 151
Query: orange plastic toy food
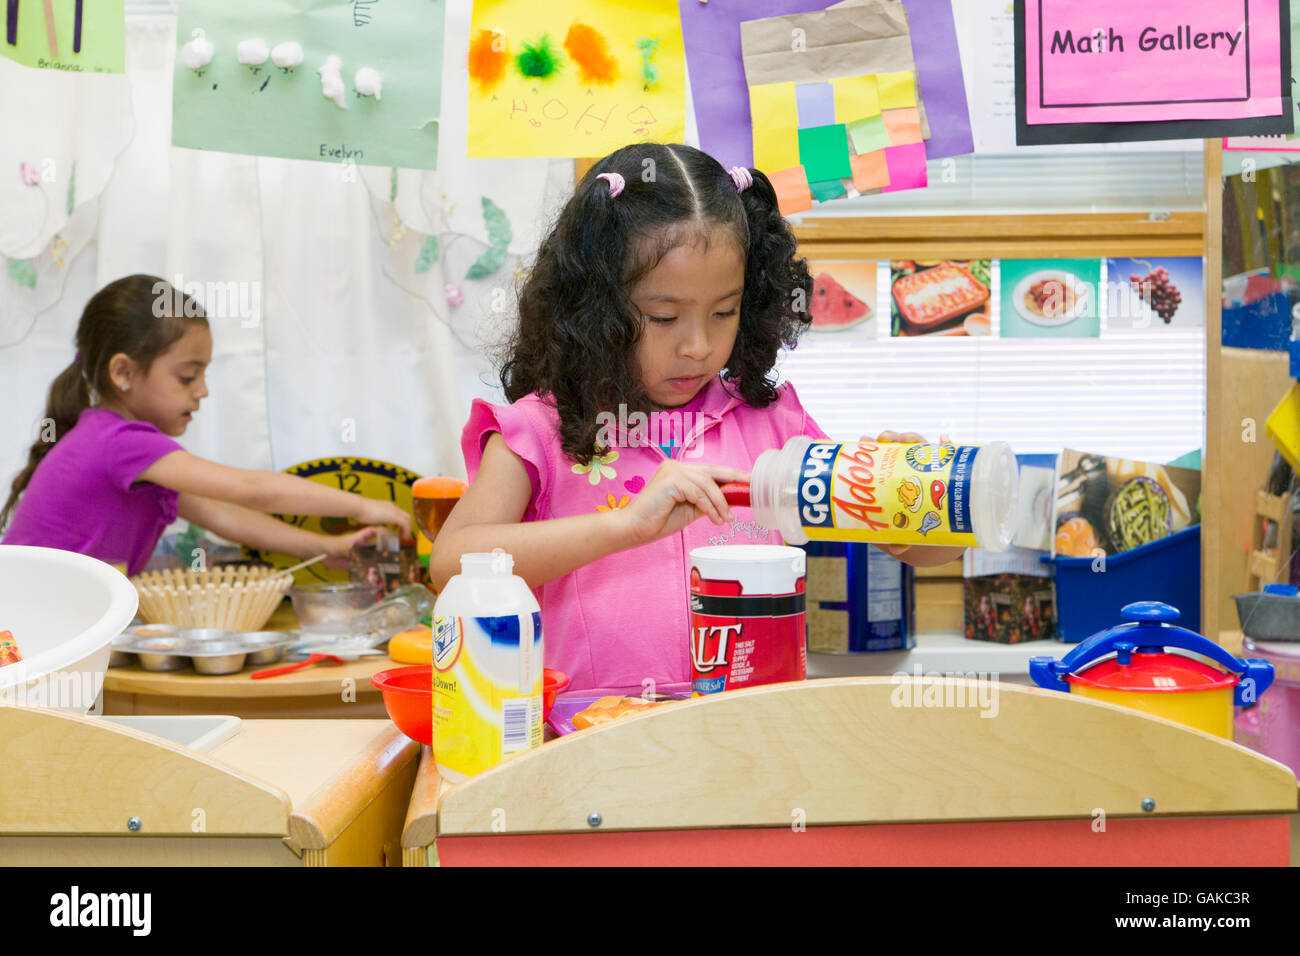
x: 412, y: 647
x: 609, y: 708
x: 9, y: 653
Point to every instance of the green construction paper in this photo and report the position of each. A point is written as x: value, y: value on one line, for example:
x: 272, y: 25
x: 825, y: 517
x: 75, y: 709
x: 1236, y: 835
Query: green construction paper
x: 869, y: 134
x: 824, y: 152
x: 22, y: 272
x: 827, y: 190
x: 428, y: 255
x: 267, y: 111
x: 103, y: 36
x: 1190, y: 460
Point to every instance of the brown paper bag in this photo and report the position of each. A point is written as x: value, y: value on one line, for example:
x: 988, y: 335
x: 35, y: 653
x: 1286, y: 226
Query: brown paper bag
x: 849, y: 39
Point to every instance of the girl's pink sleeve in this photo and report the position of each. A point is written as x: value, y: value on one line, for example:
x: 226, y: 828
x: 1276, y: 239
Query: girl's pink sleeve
x: 518, y: 430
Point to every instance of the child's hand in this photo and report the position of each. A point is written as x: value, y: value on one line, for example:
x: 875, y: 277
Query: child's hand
x: 338, y: 547
x: 919, y: 555
x: 384, y: 512
x: 677, y: 495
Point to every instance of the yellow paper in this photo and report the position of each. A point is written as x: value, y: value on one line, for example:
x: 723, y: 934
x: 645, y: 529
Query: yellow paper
x: 855, y: 98
x: 774, y: 113
x: 567, y: 114
x: 897, y: 90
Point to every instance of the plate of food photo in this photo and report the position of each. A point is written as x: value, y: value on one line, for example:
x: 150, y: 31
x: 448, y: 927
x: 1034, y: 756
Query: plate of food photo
x: 1051, y: 298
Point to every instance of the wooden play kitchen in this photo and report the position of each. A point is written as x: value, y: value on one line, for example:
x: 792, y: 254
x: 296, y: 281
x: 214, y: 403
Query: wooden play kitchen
x: 253, y: 793
x: 926, y: 771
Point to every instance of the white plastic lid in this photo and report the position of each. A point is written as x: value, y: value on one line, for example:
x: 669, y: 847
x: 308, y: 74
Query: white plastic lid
x: 497, y: 564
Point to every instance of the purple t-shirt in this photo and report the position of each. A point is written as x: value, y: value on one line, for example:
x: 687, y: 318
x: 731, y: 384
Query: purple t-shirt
x: 83, y: 496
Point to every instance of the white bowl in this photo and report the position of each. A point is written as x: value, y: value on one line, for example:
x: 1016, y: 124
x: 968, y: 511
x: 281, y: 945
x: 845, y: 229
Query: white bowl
x: 64, y: 610
x: 1082, y: 297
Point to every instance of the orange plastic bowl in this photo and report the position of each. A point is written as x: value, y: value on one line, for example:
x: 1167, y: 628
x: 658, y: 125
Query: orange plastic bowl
x: 552, y: 683
x: 408, y: 697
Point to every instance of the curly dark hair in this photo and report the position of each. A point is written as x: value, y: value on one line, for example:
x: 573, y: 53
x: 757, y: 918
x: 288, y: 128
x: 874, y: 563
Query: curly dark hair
x: 578, y: 328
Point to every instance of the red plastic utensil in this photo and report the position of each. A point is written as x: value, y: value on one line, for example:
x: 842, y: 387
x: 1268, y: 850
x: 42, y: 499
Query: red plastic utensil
x: 736, y: 493
x: 408, y: 698
x: 277, y: 671
x: 553, y: 682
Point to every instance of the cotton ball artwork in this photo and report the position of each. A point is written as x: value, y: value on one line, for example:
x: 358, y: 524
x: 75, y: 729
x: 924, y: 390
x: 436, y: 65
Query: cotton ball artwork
x: 197, y: 53
x: 287, y: 55
x: 331, y: 81
x: 368, y: 82
x: 252, y: 52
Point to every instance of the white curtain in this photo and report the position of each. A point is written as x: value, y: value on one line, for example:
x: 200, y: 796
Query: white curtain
x: 336, y: 344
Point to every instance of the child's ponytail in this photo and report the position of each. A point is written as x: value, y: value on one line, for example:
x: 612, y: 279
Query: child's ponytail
x: 139, y: 316
x: 68, y: 397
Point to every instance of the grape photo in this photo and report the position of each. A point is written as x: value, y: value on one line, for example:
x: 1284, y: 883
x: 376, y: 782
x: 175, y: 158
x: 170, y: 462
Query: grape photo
x: 1150, y: 293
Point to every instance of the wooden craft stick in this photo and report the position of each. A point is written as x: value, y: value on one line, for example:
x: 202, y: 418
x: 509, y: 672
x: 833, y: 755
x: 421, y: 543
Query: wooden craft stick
x: 50, y: 34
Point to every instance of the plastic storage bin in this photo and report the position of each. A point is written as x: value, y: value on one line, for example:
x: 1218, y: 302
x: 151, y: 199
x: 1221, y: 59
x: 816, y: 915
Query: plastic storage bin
x: 1168, y: 570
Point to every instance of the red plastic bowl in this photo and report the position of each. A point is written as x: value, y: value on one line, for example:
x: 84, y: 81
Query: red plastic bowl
x: 552, y: 683
x: 408, y: 696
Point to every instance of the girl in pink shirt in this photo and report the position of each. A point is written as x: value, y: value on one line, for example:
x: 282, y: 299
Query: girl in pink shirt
x: 639, y: 378
x: 106, y: 475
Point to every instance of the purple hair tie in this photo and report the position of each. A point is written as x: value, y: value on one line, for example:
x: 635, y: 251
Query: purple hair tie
x: 616, y: 183
x: 76, y: 359
x: 741, y: 177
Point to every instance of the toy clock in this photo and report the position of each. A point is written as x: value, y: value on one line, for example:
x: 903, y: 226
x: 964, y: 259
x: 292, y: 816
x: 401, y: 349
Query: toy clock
x: 359, y: 476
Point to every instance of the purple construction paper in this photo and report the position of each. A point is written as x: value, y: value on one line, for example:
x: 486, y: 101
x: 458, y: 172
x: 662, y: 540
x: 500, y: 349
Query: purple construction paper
x: 816, y: 102
x: 711, y: 33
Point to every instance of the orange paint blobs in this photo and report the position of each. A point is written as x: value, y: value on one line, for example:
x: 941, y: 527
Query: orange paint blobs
x: 488, y: 57
x: 590, y: 51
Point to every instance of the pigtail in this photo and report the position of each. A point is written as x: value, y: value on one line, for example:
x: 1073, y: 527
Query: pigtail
x: 68, y: 397
x: 778, y: 293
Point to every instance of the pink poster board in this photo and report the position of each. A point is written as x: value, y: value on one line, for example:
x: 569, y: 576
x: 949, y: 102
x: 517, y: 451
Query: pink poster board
x: 1158, y: 60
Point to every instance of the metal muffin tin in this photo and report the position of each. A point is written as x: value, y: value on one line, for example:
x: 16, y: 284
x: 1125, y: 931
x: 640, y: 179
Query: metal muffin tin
x: 162, y: 647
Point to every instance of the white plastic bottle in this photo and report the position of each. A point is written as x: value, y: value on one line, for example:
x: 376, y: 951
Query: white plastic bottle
x: 887, y: 493
x: 487, y: 667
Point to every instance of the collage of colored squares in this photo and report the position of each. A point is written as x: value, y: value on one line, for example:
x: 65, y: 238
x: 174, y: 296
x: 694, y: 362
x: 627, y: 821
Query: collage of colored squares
x: 1006, y: 298
x: 847, y: 136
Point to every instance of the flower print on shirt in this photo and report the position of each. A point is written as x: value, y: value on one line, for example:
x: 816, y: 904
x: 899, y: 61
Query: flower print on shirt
x: 613, y: 505
x: 598, y: 467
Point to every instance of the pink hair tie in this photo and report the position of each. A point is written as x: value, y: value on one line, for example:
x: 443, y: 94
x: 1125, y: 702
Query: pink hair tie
x: 741, y: 177
x: 616, y: 183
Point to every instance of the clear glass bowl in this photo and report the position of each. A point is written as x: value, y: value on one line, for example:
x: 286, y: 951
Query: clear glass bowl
x: 329, y: 608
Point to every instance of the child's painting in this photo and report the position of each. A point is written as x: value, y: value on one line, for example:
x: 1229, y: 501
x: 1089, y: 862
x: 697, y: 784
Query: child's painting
x: 574, y: 77
x: 354, y: 82
x: 74, y: 36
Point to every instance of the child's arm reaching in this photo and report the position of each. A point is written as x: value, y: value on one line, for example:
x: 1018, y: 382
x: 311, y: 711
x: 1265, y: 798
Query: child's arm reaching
x: 258, y: 530
x: 265, y: 491
x: 491, y: 511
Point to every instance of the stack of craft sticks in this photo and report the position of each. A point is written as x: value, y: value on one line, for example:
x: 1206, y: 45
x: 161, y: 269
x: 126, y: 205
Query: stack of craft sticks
x: 233, y: 598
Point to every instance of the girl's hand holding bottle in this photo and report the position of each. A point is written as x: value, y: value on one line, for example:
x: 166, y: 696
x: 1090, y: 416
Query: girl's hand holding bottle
x: 917, y: 555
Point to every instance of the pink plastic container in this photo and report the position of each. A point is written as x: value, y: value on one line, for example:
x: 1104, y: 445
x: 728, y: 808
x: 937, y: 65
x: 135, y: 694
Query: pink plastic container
x: 1279, y: 708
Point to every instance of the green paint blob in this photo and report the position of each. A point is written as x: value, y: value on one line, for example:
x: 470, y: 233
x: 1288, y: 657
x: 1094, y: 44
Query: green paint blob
x: 539, y: 59
x: 648, y: 46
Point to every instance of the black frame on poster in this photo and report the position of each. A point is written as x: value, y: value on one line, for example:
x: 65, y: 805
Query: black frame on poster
x: 1049, y: 134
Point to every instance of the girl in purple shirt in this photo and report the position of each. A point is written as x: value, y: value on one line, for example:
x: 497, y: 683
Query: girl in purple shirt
x: 106, y: 476
x: 666, y: 290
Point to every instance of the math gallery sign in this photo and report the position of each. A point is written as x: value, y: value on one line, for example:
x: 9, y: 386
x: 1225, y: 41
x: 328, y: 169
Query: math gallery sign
x: 1125, y: 70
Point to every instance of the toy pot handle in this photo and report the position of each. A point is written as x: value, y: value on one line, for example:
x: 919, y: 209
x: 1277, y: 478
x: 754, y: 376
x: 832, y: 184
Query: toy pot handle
x: 1150, y: 628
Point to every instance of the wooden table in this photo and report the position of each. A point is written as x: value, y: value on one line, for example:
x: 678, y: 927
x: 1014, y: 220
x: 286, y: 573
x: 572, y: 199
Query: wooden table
x: 859, y: 771
x: 278, y: 793
x: 322, y: 690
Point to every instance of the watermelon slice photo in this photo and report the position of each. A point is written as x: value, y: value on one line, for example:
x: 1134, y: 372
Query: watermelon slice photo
x: 834, y: 307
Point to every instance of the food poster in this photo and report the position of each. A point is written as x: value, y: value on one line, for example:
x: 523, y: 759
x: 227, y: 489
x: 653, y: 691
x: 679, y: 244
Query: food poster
x: 1154, y: 293
x: 1049, y: 298
x: 844, y: 296
x: 944, y: 297
x: 1111, y: 505
x: 836, y: 111
x: 1113, y: 70
x: 574, y: 77
x: 77, y: 36
x: 338, y: 81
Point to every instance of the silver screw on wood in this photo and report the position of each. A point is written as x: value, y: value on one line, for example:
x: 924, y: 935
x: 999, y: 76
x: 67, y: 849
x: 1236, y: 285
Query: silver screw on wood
x: 134, y: 824
x: 594, y: 819
x: 1148, y: 804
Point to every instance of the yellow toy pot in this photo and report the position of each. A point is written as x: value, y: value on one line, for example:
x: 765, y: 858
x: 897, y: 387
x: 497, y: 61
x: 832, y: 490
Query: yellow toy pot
x: 1130, y: 666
